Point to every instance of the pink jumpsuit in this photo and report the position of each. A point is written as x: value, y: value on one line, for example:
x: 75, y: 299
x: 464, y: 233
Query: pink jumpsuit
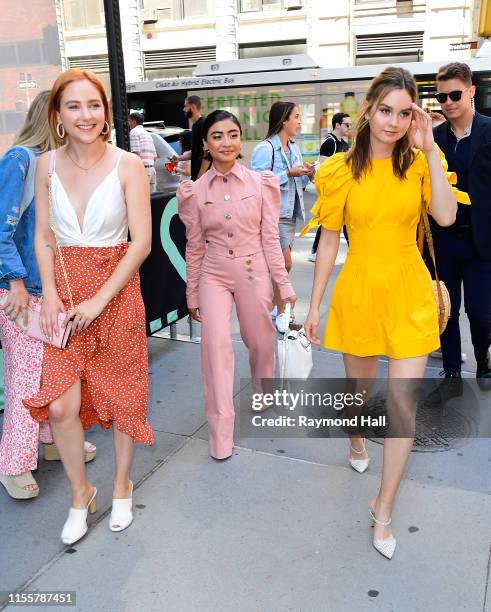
x: 237, y: 214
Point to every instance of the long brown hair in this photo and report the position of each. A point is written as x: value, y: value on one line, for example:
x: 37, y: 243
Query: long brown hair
x: 278, y: 114
x: 402, y: 155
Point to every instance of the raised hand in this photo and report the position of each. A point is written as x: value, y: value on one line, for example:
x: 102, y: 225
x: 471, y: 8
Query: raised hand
x: 422, y: 130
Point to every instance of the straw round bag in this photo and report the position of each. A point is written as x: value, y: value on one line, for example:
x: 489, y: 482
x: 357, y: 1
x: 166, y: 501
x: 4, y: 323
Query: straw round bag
x: 442, y: 297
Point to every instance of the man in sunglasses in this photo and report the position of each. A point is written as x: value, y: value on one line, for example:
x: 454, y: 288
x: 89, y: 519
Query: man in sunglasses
x: 336, y: 142
x: 463, y: 250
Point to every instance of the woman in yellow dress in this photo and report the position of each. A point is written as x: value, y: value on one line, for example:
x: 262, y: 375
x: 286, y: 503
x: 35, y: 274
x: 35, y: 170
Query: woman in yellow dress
x: 383, y: 301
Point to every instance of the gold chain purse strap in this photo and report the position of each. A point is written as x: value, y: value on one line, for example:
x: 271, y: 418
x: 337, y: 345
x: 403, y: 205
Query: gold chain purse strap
x: 53, y: 224
x: 443, y: 301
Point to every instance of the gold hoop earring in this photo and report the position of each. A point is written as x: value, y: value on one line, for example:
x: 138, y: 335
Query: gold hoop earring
x: 60, y: 136
x: 106, y: 130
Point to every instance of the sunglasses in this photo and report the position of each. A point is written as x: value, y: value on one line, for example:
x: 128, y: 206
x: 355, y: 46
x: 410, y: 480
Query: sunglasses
x: 455, y: 96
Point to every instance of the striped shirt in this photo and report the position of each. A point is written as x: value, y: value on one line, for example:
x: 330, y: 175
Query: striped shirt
x: 141, y: 143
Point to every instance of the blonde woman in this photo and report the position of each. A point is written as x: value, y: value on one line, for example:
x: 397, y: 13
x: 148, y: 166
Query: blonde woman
x: 383, y: 301
x: 19, y: 284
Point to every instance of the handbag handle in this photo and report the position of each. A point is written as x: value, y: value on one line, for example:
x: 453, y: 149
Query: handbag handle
x: 51, y: 167
x: 429, y: 240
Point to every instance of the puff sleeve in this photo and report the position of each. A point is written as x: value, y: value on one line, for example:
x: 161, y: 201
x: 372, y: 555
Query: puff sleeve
x: 460, y: 196
x: 195, y: 246
x: 333, y: 181
x: 270, y: 214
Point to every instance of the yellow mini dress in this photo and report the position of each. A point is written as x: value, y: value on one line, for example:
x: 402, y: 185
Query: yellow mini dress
x: 383, y: 301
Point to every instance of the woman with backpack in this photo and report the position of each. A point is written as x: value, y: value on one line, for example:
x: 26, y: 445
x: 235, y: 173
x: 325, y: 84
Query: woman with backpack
x: 280, y: 154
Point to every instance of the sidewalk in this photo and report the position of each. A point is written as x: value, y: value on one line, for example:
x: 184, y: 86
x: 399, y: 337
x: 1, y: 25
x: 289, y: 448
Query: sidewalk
x: 282, y: 526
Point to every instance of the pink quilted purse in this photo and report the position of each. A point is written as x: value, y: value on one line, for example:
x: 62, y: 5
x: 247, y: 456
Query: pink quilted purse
x: 33, y: 328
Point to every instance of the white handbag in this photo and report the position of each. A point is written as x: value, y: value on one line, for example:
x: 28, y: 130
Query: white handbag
x: 294, y: 353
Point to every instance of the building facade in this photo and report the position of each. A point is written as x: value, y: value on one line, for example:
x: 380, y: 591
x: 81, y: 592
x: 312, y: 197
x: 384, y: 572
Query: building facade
x: 167, y: 38
x: 30, y: 59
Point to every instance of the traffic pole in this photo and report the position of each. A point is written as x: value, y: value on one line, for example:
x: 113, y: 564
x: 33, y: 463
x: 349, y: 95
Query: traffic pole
x: 116, y: 72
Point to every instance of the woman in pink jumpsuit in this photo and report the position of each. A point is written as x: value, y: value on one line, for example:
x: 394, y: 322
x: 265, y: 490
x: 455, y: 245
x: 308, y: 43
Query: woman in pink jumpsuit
x: 231, y: 216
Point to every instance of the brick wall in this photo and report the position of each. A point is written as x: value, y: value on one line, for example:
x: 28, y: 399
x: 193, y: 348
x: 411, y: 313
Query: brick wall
x: 25, y: 19
x: 22, y: 20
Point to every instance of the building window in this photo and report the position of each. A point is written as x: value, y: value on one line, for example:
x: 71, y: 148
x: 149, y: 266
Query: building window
x: 23, y: 53
x: 82, y: 14
x: 166, y: 9
x: 251, y: 6
x: 198, y: 8
x: 96, y: 63
x: 389, y: 48
x: 176, y: 62
x: 180, y: 9
x: 290, y: 47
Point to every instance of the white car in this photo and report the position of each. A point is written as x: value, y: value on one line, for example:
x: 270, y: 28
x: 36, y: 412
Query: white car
x: 162, y: 137
x: 166, y: 181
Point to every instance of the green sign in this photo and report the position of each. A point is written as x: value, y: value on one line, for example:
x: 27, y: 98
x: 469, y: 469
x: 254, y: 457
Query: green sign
x: 251, y: 110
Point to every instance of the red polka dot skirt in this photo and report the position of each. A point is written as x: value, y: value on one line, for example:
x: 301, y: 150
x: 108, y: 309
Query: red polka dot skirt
x: 109, y: 357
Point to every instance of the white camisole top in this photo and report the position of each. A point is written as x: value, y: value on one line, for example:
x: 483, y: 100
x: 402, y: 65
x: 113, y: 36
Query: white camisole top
x: 106, y: 219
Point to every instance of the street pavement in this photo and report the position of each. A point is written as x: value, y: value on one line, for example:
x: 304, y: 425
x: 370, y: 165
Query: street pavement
x: 281, y: 526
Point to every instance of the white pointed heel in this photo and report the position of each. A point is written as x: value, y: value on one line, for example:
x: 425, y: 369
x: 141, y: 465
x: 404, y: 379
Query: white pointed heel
x: 122, y: 513
x: 385, y: 547
x: 359, y: 465
x: 75, y: 526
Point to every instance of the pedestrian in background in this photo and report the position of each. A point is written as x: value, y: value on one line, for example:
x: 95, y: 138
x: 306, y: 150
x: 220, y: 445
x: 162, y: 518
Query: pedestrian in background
x: 383, y: 301
x: 183, y: 168
x: 463, y: 250
x: 199, y: 165
x: 141, y: 143
x: 336, y: 142
x: 89, y: 272
x: 236, y: 211
x: 20, y: 285
x: 280, y: 154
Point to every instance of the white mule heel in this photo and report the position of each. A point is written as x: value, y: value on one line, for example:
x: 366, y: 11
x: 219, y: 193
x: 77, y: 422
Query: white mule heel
x: 122, y: 512
x: 75, y: 526
x: 385, y: 547
x: 359, y: 465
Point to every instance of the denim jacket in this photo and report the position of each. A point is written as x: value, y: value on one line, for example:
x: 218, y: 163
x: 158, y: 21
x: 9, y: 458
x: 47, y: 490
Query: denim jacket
x: 17, y: 219
x: 262, y: 159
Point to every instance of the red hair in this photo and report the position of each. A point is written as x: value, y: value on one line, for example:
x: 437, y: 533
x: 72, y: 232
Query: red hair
x: 59, y: 86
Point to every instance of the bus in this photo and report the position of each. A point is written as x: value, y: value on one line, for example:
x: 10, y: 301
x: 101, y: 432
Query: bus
x: 247, y: 88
